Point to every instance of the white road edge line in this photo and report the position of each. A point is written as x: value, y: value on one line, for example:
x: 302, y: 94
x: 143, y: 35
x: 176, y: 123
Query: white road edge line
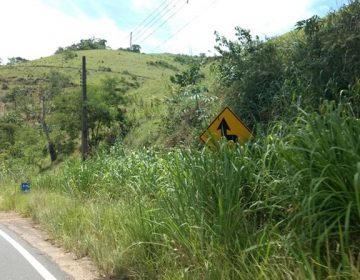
x: 38, y: 266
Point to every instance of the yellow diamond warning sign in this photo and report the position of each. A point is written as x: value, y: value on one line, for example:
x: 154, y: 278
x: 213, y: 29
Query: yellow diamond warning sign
x: 229, y: 126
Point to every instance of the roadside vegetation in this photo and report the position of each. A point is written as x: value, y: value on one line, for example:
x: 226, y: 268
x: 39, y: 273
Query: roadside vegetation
x: 285, y: 205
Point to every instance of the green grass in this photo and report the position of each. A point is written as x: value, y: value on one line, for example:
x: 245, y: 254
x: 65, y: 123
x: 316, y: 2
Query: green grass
x: 285, y: 206
x: 148, y: 97
x: 120, y: 62
x: 147, y: 100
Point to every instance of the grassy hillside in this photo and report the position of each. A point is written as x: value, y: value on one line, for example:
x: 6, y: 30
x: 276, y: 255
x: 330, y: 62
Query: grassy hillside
x: 142, y: 79
x: 99, y: 63
x: 285, y: 205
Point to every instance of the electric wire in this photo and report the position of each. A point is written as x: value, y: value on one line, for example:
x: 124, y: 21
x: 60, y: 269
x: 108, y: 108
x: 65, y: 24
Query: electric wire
x: 184, y: 26
x: 149, y: 19
x: 159, y: 17
x: 164, y: 22
x: 154, y: 14
x: 152, y: 24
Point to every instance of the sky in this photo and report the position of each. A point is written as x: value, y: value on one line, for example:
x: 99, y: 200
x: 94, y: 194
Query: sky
x: 37, y: 28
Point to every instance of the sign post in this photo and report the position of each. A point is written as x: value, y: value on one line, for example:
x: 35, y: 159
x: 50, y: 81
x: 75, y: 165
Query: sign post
x: 227, y: 125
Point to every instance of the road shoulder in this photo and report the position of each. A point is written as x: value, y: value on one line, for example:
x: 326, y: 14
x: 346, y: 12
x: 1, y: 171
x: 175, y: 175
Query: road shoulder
x: 79, y: 269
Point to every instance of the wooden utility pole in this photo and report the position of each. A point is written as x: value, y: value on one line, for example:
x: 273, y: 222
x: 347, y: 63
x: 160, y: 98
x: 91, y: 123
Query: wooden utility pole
x: 84, y: 114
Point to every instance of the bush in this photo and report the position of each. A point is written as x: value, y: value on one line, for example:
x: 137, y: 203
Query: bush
x: 163, y: 64
x: 68, y: 55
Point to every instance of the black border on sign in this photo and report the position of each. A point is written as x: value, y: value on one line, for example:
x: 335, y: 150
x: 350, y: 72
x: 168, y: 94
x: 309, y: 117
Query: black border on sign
x: 253, y: 135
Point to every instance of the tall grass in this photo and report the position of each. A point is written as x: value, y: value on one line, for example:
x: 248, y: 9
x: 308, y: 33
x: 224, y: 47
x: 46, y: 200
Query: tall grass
x: 324, y: 152
x: 285, y: 206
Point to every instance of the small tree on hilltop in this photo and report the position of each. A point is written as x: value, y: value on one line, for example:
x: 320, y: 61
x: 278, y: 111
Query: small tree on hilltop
x: 135, y: 48
x: 16, y: 60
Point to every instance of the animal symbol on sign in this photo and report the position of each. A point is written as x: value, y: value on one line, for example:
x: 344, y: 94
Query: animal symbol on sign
x: 224, y: 127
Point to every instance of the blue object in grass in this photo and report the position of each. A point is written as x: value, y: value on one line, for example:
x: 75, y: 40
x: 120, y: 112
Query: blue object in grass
x: 25, y: 187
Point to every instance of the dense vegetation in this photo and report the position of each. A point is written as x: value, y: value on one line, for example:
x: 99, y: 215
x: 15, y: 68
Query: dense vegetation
x: 85, y: 44
x: 283, y: 206
x: 318, y: 61
x: 41, y: 103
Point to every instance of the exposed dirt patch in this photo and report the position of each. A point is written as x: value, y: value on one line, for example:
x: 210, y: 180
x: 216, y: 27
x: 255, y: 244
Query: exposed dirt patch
x: 79, y: 269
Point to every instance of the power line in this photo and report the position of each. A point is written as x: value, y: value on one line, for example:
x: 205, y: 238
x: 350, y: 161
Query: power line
x: 158, y: 17
x: 164, y: 22
x: 144, y: 25
x: 153, y: 21
x: 184, y: 26
x: 154, y: 12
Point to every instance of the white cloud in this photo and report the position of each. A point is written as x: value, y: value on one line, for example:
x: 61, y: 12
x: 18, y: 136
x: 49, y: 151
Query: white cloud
x: 264, y: 18
x: 36, y: 30
x: 32, y: 29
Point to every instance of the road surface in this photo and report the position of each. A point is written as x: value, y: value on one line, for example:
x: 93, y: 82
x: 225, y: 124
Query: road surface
x: 21, y: 261
x: 25, y: 232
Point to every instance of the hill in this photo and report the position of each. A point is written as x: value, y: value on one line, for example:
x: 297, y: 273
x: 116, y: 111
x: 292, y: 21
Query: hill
x: 141, y: 83
x: 285, y: 205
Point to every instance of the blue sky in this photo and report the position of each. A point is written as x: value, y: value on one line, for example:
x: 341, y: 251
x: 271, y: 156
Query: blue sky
x: 36, y: 28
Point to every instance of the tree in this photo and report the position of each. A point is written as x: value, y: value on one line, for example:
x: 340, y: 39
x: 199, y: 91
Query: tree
x: 329, y: 57
x: 106, y: 111
x: 67, y: 119
x: 135, y: 48
x: 190, y: 76
x: 68, y: 55
x: 21, y: 100
x: 187, y: 105
x: 57, y: 83
x: 252, y: 71
x: 85, y: 44
x: 106, y: 114
x: 7, y: 134
x: 16, y: 60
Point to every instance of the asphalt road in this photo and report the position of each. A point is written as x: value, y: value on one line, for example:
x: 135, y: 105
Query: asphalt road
x: 20, y: 261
